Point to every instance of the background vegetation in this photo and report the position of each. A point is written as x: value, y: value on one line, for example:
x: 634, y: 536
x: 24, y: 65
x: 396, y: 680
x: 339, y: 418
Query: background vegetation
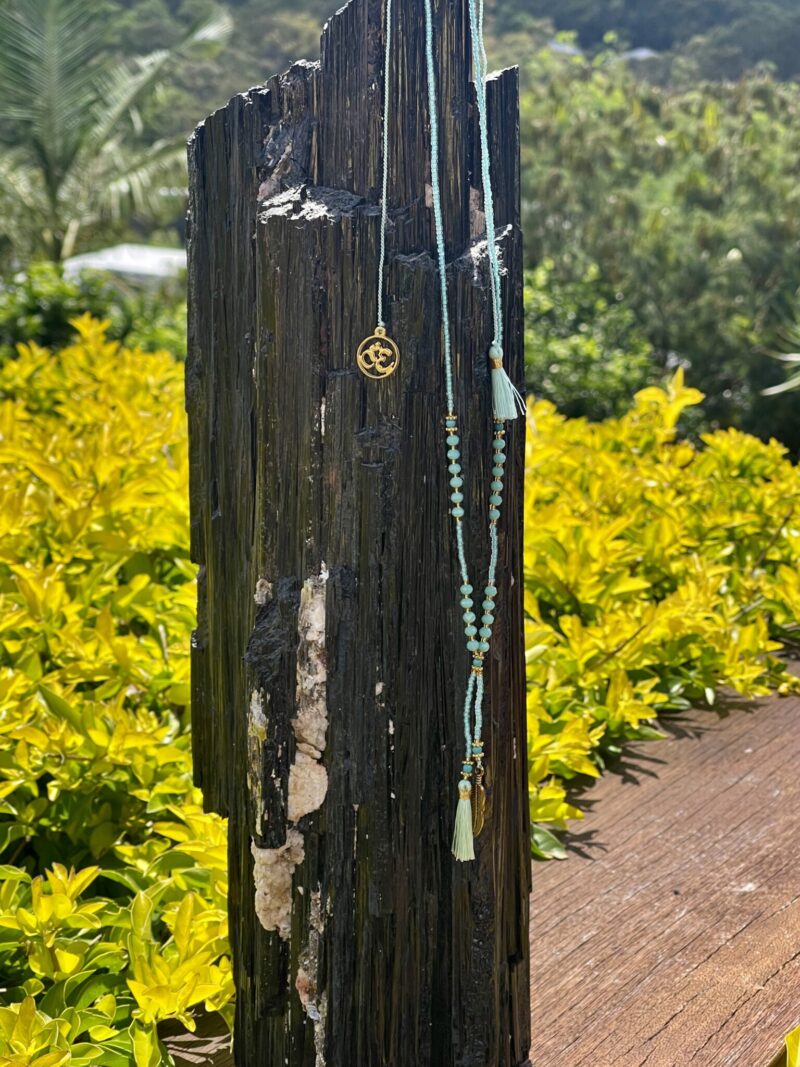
x: 663, y: 536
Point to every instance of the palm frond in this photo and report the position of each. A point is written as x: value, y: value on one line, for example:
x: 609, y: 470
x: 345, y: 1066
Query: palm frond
x: 125, y: 85
x: 48, y: 51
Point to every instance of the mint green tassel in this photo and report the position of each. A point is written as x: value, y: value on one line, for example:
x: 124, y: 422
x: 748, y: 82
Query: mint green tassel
x: 463, y: 848
x: 507, y: 401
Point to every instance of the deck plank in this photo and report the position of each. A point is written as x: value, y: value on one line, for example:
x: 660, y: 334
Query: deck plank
x: 673, y: 938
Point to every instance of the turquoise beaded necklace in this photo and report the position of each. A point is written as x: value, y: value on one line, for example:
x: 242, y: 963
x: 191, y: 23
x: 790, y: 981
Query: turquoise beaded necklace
x: 507, y: 403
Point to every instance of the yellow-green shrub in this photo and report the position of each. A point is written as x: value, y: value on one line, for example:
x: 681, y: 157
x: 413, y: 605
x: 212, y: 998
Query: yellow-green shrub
x: 113, y: 902
x: 655, y: 572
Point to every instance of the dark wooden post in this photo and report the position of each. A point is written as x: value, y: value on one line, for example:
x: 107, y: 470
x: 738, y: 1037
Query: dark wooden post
x: 328, y: 662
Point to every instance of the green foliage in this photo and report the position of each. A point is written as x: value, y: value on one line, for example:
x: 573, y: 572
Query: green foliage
x: 724, y: 38
x: 656, y: 573
x: 74, y: 158
x: 583, y: 348
x: 113, y: 908
x: 39, y: 306
x: 688, y: 204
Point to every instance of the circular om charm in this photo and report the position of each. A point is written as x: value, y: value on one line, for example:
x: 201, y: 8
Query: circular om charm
x: 378, y: 355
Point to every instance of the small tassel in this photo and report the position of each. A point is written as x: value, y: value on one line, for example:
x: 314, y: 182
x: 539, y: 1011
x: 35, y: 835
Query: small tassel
x: 507, y: 401
x: 463, y: 849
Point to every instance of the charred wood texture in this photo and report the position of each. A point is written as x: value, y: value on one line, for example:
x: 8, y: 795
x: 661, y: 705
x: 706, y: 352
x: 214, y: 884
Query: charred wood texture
x: 328, y: 663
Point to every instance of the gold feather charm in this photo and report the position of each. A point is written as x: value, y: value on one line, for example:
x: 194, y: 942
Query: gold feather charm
x: 478, y: 802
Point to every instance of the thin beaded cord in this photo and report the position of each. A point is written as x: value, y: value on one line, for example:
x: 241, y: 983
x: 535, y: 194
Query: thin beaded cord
x: 479, y: 56
x: 387, y: 49
x: 477, y: 640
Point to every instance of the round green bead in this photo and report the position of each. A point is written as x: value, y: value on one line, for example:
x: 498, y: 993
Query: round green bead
x: 466, y: 602
x: 456, y: 497
x: 497, y: 485
x: 469, y: 616
x: 500, y: 458
x: 491, y: 590
x: 470, y: 631
x: 495, y: 498
x: 499, y: 444
x: 498, y: 472
x: 466, y: 588
x: 487, y: 619
x: 483, y: 646
x: 454, y: 468
x: 457, y: 512
x: 473, y: 646
x: 453, y: 453
x: 488, y: 605
x: 456, y: 481
x: 485, y: 632
x: 452, y: 439
x: 494, y: 514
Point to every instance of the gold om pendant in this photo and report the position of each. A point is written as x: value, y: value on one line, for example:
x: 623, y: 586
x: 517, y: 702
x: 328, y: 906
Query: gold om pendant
x: 478, y: 803
x: 378, y: 355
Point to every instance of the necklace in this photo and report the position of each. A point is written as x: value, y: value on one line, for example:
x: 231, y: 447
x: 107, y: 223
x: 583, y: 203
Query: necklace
x: 378, y: 356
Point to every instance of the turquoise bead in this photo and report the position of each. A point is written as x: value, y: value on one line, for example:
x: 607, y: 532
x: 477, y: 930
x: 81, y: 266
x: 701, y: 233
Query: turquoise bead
x: 454, y: 468
x: 487, y: 619
x: 466, y: 588
x: 495, y: 498
x: 491, y: 590
x: 500, y: 458
x: 453, y: 453
x: 494, y: 514
x: 469, y: 616
x: 456, y: 497
x: 456, y: 481
x: 466, y: 602
x: 485, y: 632
x: 473, y: 646
x: 470, y: 631
x: 452, y: 439
x: 497, y: 485
x: 457, y: 512
x: 483, y: 646
x: 499, y: 444
x: 498, y: 472
x: 488, y: 605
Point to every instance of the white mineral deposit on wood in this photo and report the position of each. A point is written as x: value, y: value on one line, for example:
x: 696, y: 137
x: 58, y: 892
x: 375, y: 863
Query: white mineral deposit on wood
x: 272, y: 874
x: 308, y: 779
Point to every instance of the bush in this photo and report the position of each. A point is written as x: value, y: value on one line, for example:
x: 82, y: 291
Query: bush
x: 686, y: 202
x: 39, y: 305
x: 113, y: 904
x: 583, y: 348
x: 656, y: 572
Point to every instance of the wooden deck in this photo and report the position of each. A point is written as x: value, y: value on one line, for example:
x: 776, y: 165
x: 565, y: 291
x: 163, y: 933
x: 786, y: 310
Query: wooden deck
x: 672, y: 937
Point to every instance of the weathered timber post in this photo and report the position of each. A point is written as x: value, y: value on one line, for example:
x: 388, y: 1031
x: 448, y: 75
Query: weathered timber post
x: 328, y: 662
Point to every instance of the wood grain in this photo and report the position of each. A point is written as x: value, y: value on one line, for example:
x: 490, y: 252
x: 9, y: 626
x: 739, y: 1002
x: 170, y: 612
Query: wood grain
x: 300, y: 465
x: 673, y: 938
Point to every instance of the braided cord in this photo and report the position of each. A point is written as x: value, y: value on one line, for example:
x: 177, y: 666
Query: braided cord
x: 387, y: 51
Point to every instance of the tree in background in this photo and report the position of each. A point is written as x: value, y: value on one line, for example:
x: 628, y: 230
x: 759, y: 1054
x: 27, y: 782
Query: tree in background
x: 685, y: 208
x: 714, y: 39
x: 74, y: 155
